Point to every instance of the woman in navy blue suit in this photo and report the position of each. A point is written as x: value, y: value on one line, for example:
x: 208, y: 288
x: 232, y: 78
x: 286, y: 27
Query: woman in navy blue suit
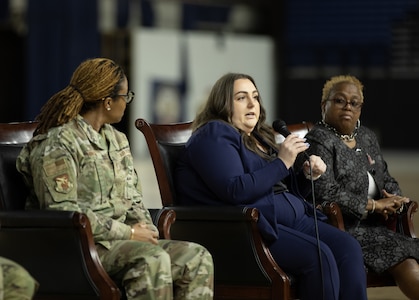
x: 232, y: 159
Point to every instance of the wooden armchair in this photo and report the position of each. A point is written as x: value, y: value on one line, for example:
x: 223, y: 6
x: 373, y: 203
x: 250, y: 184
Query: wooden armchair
x: 56, y: 247
x: 244, y: 267
x: 214, y: 227
x: 403, y: 223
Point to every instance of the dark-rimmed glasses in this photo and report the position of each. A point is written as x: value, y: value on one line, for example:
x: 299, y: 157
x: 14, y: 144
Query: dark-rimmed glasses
x: 128, y: 97
x: 341, y: 103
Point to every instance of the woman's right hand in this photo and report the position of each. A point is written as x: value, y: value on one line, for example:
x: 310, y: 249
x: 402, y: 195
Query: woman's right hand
x: 141, y: 232
x: 290, y: 148
x: 390, y: 204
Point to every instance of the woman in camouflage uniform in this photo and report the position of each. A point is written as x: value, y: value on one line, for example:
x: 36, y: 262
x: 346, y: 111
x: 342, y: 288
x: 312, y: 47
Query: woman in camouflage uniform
x: 78, y: 161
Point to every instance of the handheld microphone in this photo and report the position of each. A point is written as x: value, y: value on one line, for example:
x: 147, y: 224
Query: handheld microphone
x: 281, y: 127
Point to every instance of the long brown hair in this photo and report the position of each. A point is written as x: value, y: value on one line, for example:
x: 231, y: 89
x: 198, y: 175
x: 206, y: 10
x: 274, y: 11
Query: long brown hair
x: 93, y: 80
x: 219, y: 106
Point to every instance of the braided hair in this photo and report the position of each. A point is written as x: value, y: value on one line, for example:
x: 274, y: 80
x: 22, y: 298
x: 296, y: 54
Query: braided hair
x: 93, y: 80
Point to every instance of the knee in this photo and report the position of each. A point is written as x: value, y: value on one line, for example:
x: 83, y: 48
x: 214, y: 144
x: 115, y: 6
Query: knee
x: 207, y: 261
x: 406, y: 275
x: 350, y: 248
x: 159, y: 256
x: 200, y: 272
x: 408, y: 267
x: 21, y: 280
x: 202, y: 260
x: 203, y: 253
x: 155, y: 259
x: 150, y: 266
x: 17, y: 273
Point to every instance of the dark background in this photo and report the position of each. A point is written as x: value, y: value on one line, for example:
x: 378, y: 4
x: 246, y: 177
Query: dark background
x: 377, y: 41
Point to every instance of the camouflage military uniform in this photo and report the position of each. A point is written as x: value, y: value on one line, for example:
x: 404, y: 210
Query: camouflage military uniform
x: 77, y: 168
x: 15, y: 282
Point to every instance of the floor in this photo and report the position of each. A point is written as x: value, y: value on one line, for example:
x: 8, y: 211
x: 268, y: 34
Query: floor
x: 387, y: 293
x: 404, y: 166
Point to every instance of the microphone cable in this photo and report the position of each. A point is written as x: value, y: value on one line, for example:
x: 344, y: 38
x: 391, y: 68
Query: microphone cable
x: 281, y: 127
x: 316, y: 226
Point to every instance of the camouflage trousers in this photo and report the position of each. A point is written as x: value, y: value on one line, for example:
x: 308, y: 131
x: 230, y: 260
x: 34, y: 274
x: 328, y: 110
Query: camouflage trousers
x: 169, y: 270
x: 15, y: 282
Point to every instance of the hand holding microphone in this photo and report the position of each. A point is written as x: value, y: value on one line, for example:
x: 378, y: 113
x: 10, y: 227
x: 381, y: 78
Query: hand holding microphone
x: 293, y: 145
x: 281, y: 127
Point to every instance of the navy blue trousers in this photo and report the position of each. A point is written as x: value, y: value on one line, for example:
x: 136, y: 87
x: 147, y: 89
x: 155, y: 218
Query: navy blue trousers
x: 340, y: 274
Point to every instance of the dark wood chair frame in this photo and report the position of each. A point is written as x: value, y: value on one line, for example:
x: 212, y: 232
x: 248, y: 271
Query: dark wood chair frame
x: 56, y: 247
x: 251, y: 272
x: 165, y: 141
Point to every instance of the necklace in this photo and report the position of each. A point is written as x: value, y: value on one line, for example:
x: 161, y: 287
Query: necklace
x: 343, y: 137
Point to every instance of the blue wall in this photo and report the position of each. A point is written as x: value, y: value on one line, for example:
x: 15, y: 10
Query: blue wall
x: 333, y: 32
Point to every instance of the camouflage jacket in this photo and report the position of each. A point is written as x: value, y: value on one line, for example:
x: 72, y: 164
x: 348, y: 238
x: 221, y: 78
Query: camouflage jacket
x: 74, y: 167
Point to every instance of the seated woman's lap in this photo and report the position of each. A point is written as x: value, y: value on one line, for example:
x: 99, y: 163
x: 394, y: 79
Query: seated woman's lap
x: 297, y: 252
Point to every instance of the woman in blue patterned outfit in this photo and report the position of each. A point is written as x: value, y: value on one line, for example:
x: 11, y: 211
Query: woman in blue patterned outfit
x: 357, y: 178
x: 232, y: 159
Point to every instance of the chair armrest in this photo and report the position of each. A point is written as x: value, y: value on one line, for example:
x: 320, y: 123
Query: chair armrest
x: 405, y: 223
x: 58, y: 249
x: 216, y: 213
x: 332, y: 210
x: 163, y: 218
x: 231, y: 235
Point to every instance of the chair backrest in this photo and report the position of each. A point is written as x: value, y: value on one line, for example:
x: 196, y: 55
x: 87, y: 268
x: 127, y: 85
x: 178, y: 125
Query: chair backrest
x: 165, y: 143
x: 17, y: 132
x: 298, y: 128
x: 29, y: 237
x: 13, y: 191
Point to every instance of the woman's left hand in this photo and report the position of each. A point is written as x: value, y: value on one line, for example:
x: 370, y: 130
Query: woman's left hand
x: 318, y: 167
x: 391, y: 203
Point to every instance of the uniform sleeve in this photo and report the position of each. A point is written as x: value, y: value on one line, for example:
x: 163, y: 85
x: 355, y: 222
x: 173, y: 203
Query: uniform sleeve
x: 55, y: 184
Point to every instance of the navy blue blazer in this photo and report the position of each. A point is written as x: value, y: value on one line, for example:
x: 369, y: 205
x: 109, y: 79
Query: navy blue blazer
x: 217, y: 169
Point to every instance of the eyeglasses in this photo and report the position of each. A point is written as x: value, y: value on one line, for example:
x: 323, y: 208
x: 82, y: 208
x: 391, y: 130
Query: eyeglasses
x: 341, y: 103
x: 128, y: 97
